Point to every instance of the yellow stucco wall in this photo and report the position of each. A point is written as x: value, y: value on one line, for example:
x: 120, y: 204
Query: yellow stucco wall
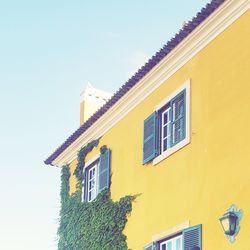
x: 200, y: 181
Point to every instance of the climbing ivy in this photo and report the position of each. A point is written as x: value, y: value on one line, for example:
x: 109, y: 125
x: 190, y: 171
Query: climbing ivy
x: 96, y: 225
x: 80, y: 165
x: 65, y: 175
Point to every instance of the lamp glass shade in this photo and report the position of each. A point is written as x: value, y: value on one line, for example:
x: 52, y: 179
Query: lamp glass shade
x: 225, y: 224
x: 228, y: 222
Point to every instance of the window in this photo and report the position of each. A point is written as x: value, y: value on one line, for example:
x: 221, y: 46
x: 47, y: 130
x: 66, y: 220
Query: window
x: 91, y: 181
x: 174, y: 243
x: 167, y: 129
x: 171, y: 122
x: 96, y: 176
x: 188, y: 239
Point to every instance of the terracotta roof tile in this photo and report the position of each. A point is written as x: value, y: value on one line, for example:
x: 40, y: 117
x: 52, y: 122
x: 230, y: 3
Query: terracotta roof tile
x: 167, y: 48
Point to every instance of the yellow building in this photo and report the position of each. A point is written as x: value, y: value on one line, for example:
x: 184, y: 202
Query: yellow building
x: 179, y: 135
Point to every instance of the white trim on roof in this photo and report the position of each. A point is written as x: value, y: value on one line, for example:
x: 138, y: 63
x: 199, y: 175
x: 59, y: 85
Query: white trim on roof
x: 208, y: 30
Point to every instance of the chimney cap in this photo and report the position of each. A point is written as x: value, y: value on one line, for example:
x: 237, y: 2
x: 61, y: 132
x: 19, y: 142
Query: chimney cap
x: 90, y: 91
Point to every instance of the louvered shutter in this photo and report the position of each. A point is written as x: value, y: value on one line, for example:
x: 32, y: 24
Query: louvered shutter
x: 156, y: 246
x: 104, y: 170
x: 151, y: 246
x: 178, y: 112
x: 192, y: 238
x: 149, y: 138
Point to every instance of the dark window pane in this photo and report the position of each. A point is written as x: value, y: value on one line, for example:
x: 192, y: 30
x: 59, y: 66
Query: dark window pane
x: 165, y: 117
x: 165, y: 144
x: 165, y: 131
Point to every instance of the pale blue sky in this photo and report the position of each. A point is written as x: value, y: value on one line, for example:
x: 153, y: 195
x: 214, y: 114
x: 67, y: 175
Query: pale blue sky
x: 49, y: 50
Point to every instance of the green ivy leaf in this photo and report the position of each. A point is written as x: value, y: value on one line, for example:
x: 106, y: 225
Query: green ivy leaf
x: 97, y: 225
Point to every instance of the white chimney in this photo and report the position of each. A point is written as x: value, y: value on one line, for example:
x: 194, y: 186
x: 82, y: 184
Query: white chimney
x: 91, y: 99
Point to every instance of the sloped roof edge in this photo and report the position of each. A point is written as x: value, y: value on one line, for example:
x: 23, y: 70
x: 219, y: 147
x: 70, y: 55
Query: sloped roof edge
x: 152, y: 62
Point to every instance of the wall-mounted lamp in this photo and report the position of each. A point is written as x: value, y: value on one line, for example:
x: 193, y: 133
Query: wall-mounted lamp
x: 230, y: 222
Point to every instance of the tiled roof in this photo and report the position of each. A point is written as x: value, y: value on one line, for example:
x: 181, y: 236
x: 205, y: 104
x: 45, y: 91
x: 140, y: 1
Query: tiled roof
x: 152, y: 62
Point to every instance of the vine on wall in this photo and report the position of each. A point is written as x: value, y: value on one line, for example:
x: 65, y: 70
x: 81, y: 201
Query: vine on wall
x: 96, y: 225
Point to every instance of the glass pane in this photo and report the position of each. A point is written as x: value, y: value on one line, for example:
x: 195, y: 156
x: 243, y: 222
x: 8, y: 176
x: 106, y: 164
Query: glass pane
x: 169, y: 129
x: 169, y: 141
x: 91, y: 186
x: 225, y: 224
x: 165, y: 117
x: 178, y: 244
x: 163, y: 247
x: 169, y: 245
x: 165, y: 131
x: 165, y: 144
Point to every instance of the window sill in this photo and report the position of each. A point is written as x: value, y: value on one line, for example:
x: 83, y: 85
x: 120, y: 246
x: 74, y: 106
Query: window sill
x: 171, y: 151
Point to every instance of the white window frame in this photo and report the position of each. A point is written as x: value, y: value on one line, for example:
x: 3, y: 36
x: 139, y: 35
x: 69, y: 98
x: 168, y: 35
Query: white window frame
x: 163, y: 125
x: 173, y: 241
x: 164, y: 154
x: 90, y: 166
x: 92, y: 190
